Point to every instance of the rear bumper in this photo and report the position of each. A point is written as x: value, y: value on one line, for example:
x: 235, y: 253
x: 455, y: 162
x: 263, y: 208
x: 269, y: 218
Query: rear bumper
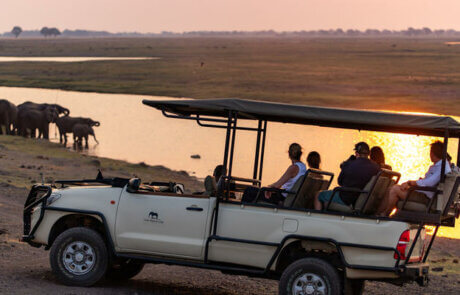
x: 417, y: 272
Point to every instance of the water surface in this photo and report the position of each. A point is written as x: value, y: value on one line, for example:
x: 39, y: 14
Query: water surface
x: 67, y: 59
x: 137, y: 133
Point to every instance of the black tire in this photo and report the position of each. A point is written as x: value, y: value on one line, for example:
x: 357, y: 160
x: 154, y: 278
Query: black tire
x: 353, y: 287
x: 318, y: 270
x: 124, y: 270
x: 83, y: 239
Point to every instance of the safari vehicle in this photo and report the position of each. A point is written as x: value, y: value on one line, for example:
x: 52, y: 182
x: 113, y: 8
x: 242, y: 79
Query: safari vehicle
x: 112, y: 227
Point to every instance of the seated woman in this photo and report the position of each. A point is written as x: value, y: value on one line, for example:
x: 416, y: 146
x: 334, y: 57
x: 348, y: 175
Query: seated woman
x: 286, y: 182
x: 378, y: 157
x: 314, y: 162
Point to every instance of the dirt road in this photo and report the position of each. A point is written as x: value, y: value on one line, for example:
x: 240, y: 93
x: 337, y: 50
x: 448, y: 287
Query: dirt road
x: 26, y: 270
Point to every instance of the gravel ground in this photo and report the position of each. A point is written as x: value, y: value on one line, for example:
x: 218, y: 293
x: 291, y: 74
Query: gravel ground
x: 25, y: 269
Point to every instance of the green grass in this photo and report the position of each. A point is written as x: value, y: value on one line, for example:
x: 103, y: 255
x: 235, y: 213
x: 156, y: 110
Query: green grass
x: 396, y: 74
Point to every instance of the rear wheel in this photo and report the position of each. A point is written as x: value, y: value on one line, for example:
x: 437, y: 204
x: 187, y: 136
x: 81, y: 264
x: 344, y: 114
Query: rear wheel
x: 79, y: 257
x: 310, y: 276
x: 124, y: 270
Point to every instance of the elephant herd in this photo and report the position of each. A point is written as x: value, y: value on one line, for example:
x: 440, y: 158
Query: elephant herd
x: 29, y: 117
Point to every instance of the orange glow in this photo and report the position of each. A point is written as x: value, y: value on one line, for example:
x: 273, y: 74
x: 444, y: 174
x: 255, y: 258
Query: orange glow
x: 393, y: 212
x: 409, y: 155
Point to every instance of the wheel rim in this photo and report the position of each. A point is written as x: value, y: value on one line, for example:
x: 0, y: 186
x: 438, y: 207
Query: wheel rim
x: 309, y: 284
x: 79, y: 258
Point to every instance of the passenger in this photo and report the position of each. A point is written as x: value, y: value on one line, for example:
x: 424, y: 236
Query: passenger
x: 219, y: 171
x: 378, y: 157
x: 210, y: 182
x: 432, y: 178
x: 286, y: 182
x: 356, y: 173
x: 453, y: 167
x: 314, y: 162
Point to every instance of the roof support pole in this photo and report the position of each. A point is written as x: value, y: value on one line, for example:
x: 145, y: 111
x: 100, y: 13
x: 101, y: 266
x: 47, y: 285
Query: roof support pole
x: 458, y: 153
x: 262, y: 150
x: 256, y: 159
x: 232, y: 147
x: 444, y: 156
x: 227, y: 141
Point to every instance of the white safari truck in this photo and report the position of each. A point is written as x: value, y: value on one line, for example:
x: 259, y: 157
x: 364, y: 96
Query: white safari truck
x: 110, y: 228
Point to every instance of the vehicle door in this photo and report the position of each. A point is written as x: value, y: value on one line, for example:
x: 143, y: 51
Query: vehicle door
x: 162, y: 223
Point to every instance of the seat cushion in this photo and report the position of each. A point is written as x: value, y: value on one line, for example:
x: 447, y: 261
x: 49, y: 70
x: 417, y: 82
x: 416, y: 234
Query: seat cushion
x: 340, y: 208
x: 412, y: 206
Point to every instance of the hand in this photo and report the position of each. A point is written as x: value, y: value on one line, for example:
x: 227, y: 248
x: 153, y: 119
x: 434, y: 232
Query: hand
x: 405, y: 186
x: 267, y: 195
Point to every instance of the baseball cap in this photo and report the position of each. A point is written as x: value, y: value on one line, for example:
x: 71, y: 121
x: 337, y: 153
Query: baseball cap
x: 362, y: 148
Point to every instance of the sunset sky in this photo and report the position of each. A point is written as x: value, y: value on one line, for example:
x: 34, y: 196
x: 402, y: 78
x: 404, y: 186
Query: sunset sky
x: 188, y: 15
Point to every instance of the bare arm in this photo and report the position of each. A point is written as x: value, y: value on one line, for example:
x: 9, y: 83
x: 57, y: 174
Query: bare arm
x: 290, y: 173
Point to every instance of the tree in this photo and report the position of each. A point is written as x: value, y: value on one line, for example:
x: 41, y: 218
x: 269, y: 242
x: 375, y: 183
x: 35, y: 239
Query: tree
x: 427, y: 31
x: 16, y: 31
x: 54, y: 32
x: 45, y: 31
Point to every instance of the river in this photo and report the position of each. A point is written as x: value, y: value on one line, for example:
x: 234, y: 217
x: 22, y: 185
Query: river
x: 137, y: 133
x: 67, y: 59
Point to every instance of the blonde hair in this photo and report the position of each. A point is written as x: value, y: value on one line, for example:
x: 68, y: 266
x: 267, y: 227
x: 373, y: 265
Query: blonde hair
x: 295, y: 151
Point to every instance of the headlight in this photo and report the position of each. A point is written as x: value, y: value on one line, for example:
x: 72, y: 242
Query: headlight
x: 52, y: 198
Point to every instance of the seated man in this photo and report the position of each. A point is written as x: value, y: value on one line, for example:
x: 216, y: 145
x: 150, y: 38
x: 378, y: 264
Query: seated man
x: 356, y: 173
x: 432, y: 178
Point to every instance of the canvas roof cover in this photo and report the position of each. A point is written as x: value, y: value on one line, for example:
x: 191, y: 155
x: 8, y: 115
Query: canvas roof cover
x: 311, y: 115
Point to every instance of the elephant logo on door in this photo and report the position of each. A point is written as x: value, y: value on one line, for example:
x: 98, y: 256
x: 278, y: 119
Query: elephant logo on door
x: 153, y: 217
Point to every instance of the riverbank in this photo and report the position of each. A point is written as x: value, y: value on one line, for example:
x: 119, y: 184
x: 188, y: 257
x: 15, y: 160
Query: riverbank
x: 389, y: 73
x: 25, y: 161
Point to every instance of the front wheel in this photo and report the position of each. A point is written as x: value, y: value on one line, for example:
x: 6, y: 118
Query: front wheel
x: 310, y: 276
x: 79, y: 257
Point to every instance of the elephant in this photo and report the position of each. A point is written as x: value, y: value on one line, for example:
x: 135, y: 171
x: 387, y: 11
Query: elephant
x: 32, y: 119
x: 81, y: 131
x: 42, y: 106
x: 8, y: 116
x: 65, y: 125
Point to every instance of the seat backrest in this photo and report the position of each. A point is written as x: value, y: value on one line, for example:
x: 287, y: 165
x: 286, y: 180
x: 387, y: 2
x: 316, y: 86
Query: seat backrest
x: 376, y: 195
x: 307, y: 192
x: 363, y: 196
x: 324, y: 184
x: 210, y: 186
x: 446, y: 188
x: 295, y: 188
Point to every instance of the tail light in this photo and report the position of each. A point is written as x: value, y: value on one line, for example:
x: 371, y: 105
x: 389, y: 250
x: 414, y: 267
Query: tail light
x: 404, y: 240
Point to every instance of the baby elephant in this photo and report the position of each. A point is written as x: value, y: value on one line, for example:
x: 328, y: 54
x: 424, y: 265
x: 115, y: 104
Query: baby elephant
x: 81, y: 131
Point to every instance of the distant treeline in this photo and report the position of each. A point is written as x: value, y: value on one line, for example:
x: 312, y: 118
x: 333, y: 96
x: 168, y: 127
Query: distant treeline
x: 410, y: 32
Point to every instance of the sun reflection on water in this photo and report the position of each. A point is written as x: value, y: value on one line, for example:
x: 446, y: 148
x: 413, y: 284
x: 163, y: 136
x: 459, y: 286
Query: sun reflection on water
x: 409, y: 155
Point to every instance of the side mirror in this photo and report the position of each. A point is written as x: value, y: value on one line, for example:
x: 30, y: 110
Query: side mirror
x: 133, y: 185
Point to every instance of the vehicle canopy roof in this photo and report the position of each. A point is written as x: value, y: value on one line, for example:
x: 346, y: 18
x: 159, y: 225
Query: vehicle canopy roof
x: 312, y: 115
